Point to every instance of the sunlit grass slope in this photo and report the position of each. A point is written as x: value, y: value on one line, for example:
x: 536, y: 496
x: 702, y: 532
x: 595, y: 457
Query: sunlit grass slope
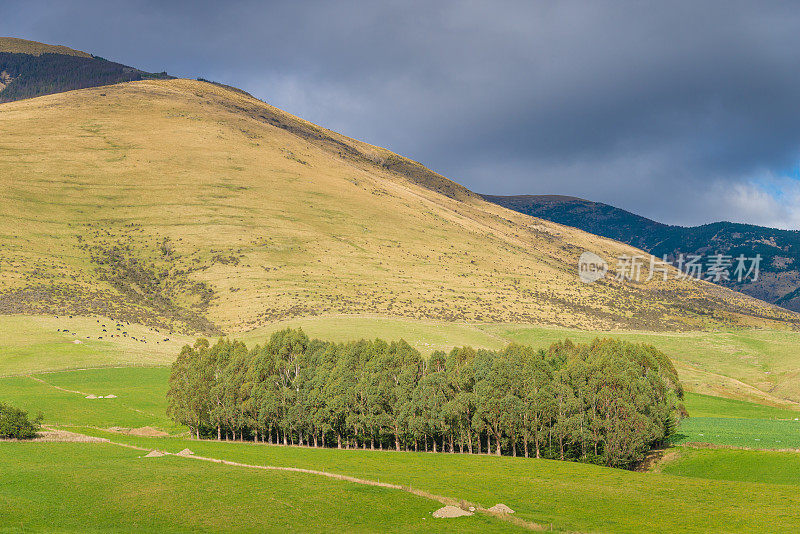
x: 23, y: 46
x: 748, y: 364
x: 30, y: 344
x: 185, y: 205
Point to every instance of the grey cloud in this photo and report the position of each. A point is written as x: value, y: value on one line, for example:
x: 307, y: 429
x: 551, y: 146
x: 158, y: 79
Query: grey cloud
x: 675, y: 110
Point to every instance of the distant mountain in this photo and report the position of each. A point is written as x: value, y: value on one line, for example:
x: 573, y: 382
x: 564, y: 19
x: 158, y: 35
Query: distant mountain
x: 29, y: 69
x: 779, y: 280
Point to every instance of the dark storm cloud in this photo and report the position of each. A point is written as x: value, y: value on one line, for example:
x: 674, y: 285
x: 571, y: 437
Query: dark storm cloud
x: 683, y: 111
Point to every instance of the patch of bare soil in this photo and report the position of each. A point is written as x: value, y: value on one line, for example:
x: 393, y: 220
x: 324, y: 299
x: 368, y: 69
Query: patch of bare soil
x: 50, y: 435
x: 652, y: 459
x: 446, y: 512
x: 501, y: 508
x: 154, y: 454
x: 142, y: 432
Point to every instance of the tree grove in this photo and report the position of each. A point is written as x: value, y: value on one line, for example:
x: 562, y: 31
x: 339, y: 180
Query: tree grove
x: 607, y: 402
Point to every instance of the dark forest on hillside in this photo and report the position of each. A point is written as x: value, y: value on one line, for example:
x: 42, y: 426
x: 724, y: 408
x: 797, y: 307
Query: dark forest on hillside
x: 32, y: 76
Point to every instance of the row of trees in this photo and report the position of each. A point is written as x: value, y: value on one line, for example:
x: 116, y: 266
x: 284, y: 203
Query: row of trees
x: 606, y: 402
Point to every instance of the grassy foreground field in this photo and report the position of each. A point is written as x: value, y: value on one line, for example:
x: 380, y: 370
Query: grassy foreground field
x: 705, y: 494
x: 59, y: 487
x: 570, y: 496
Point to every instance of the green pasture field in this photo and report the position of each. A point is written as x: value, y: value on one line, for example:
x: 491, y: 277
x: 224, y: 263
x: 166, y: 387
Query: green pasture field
x: 29, y: 344
x: 768, y: 467
x: 700, y: 405
x: 140, y: 397
x: 736, y: 432
x: 570, y: 496
x: 97, y: 487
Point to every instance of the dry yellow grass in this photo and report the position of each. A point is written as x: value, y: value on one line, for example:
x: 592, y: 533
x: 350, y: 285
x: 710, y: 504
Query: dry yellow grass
x: 187, y: 204
x: 22, y: 46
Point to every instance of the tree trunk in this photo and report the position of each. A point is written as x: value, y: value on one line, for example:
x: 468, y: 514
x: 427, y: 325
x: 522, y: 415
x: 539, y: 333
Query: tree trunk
x: 469, y: 442
x: 219, y: 433
x: 285, y: 439
x: 497, y: 439
x: 434, y: 444
x: 339, y: 440
x: 488, y: 443
x: 452, y: 448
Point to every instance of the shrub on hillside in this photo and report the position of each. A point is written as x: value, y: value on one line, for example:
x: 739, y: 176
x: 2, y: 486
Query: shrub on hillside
x: 15, y: 424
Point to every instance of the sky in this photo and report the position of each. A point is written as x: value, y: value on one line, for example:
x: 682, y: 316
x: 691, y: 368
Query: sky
x: 685, y: 112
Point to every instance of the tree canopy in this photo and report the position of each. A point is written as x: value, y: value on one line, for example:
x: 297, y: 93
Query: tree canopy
x: 15, y: 423
x: 606, y: 402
